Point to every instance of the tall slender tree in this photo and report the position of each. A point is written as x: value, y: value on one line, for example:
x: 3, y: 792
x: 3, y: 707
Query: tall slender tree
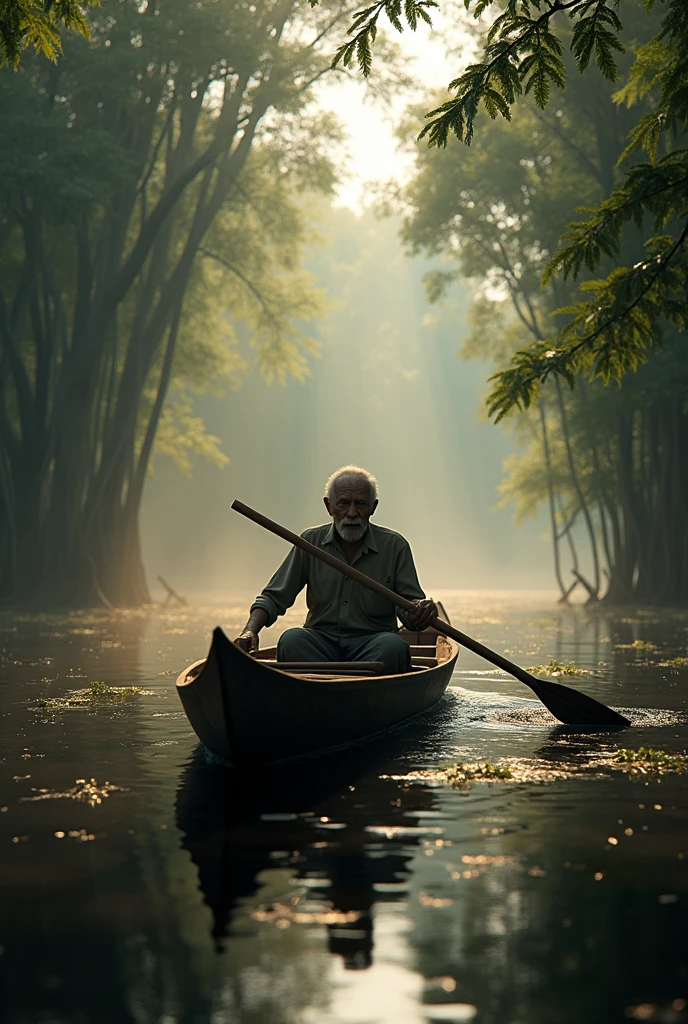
x: 162, y: 147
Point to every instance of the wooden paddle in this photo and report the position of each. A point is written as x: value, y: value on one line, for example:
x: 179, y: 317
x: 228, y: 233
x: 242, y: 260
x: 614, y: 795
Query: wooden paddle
x: 568, y: 705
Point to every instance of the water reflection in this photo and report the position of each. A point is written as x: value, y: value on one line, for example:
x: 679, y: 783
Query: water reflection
x: 231, y: 821
x: 354, y: 889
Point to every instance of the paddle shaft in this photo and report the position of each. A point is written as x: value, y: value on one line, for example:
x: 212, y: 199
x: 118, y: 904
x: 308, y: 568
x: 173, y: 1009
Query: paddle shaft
x: 379, y: 588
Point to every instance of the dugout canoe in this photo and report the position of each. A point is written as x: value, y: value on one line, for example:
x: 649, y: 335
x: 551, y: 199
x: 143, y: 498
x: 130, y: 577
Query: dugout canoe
x: 254, y: 711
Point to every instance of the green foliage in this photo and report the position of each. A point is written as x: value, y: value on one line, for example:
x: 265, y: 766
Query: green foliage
x: 461, y: 774
x: 646, y: 760
x: 91, y: 697
x: 248, y: 301
x: 495, y: 213
x: 680, y: 662
x: 643, y: 645
x: 626, y: 444
x: 153, y: 205
x: 522, y: 55
x: 619, y: 322
x: 32, y: 23
x: 606, y: 336
x: 183, y: 437
x: 611, y: 331
x: 364, y: 28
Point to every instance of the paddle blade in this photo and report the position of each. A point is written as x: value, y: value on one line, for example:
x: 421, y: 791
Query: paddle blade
x: 574, y: 708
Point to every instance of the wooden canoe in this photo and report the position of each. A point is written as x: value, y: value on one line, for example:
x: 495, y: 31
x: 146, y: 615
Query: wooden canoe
x: 252, y: 710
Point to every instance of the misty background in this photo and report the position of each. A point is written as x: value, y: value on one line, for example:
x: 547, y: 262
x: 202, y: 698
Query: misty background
x: 180, y: 234
x: 388, y: 392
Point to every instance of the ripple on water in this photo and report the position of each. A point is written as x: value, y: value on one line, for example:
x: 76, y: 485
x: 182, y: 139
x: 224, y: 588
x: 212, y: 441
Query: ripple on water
x: 494, y: 708
x: 478, y: 707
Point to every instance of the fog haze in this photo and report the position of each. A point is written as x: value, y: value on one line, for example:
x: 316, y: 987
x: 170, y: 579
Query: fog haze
x: 389, y: 393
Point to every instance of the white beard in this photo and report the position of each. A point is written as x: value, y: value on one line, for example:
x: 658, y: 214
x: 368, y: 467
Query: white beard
x: 351, y: 530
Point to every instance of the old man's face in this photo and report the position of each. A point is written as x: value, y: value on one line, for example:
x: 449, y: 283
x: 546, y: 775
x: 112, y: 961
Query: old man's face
x: 351, y: 508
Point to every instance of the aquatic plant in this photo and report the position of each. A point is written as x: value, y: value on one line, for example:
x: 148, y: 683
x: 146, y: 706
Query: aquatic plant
x: 679, y: 662
x: 462, y: 773
x: 558, y: 668
x: 644, y: 645
x: 100, y: 689
x: 647, y: 760
x: 95, y: 694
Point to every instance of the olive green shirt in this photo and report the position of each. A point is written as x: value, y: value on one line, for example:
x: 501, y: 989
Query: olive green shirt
x: 337, y: 604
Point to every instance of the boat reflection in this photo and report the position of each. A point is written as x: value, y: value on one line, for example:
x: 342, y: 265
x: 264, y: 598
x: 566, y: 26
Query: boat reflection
x: 312, y: 817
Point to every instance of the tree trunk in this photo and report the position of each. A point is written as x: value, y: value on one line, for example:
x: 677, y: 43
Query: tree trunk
x: 565, y: 591
x: 594, y: 589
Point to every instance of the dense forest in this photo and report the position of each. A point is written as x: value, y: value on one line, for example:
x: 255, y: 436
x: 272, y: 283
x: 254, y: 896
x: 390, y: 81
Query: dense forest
x: 608, y: 456
x: 157, y: 200
x: 148, y: 184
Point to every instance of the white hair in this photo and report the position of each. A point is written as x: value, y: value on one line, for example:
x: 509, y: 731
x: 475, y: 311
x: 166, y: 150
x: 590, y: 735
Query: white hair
x: 352, y: 471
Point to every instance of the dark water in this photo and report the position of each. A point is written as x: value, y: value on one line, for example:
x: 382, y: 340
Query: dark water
x: 359, y: 889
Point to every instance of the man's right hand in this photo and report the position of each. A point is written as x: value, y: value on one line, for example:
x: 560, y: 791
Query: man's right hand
x: 247, y: 641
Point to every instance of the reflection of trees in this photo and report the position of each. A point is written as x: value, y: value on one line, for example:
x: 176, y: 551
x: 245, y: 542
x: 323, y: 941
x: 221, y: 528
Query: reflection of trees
x: 639, y: 640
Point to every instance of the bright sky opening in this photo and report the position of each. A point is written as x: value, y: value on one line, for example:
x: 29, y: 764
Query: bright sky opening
x: 373, y: 150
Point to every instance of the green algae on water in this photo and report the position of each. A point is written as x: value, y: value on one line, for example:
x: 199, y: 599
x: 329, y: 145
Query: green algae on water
x: 100, y: 689
x: 558, y: 668
x: 462, y: 773
x: 648, y: 761
x: 97, y: 693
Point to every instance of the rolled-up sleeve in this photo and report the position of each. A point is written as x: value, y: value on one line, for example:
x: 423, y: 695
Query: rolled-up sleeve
x: 406, y: 581
x: 284, y: 587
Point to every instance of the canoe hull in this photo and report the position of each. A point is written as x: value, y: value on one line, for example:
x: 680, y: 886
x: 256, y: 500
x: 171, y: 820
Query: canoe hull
x: 249, y: 714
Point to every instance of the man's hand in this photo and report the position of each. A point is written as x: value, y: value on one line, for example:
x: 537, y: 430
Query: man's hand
x: 423, y: 614
x: 247, y: 641
x: 248, y: 638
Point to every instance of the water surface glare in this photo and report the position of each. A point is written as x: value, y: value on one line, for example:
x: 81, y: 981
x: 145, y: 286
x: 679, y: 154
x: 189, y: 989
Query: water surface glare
x: 142, y: 884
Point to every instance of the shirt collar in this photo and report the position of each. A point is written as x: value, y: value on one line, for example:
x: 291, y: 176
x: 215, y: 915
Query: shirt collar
x: 369, y: 543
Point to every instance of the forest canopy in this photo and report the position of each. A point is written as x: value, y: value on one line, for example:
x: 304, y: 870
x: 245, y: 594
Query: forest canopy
x: 620, y: 317
x: 152, y: 218
x: 610, y: 463
x: 36, y: 24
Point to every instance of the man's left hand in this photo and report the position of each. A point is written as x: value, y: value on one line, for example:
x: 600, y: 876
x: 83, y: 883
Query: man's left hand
x: 423, y: 614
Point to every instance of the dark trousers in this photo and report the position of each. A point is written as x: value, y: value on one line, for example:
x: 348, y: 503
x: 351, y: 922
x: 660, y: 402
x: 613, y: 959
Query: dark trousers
x: 301, y: 644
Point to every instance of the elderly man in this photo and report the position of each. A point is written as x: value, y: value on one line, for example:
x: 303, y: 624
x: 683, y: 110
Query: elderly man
x: 345, y: 621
